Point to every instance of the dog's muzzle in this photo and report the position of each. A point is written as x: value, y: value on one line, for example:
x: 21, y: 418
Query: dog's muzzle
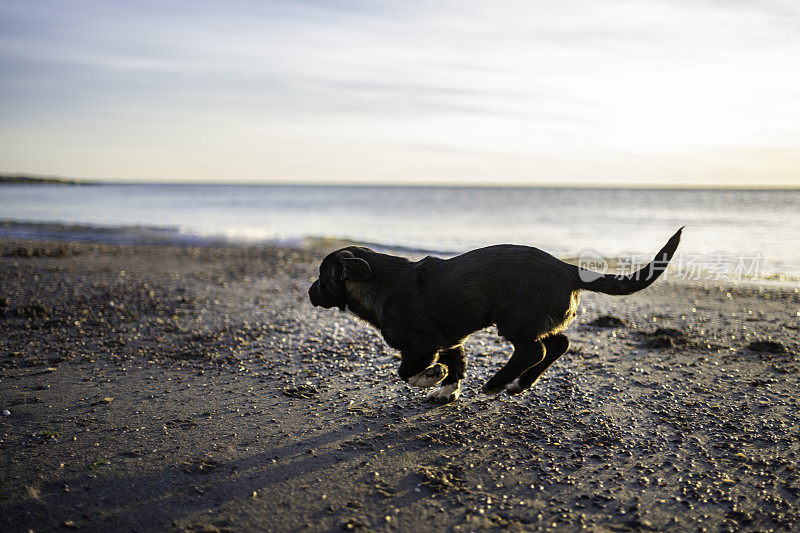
x: 321, y: 298
x: 314, y: 295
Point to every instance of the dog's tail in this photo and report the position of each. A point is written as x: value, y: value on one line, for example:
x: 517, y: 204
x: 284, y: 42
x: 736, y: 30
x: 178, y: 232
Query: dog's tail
x: 608, y: 284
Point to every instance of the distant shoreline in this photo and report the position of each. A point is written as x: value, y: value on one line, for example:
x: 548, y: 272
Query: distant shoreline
x: 24, y: 179
x: 31, y: 179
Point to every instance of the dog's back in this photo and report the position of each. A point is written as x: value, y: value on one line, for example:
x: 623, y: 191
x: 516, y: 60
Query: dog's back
x: 496, y: 285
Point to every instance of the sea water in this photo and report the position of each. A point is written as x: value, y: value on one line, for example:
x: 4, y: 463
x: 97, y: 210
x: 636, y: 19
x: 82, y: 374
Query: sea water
x: 757, y: 227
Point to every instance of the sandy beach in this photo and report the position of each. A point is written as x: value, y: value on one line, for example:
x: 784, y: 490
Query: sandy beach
x: 196, y: 389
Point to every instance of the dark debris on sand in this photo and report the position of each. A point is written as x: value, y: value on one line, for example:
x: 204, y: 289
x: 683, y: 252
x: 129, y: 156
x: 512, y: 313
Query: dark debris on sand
x: 608, y: 321
x: 665, y: 338
x: 301, y: 391
x: 768, y: 347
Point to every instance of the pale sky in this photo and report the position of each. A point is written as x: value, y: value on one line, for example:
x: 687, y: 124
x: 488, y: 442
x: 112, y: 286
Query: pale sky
x: 639, y: 92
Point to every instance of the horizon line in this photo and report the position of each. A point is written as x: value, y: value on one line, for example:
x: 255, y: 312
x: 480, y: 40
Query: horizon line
x: 429, y: 184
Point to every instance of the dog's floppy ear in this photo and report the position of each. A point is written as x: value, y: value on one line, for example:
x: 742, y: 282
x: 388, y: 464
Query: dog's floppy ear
x: 355, y: 268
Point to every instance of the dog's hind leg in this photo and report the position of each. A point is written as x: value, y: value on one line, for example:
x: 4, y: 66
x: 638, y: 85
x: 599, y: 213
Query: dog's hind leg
x: 450, y: 388
x: 525, y: 356
x: 556, y: 346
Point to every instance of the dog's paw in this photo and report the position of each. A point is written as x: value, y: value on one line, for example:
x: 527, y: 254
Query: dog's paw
x: 445, y: 394
x: 491, y: 389
x: 514, y: 387
x: 429, y: 377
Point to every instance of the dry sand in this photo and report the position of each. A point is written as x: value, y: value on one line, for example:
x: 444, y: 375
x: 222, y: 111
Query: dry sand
x: 154, y: 388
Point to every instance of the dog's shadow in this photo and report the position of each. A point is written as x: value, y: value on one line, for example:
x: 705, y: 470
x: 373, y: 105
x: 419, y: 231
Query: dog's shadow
x: 372, y: 455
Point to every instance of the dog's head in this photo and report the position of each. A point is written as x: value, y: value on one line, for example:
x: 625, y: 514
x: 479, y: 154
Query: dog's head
x: 340, y: 266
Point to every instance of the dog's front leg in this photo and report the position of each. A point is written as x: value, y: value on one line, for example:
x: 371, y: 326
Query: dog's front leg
x: 420, y: 370
x: 450, y: 388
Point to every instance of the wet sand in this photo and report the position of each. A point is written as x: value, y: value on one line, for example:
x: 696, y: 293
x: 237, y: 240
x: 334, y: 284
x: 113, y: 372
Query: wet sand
x: 196, y: 389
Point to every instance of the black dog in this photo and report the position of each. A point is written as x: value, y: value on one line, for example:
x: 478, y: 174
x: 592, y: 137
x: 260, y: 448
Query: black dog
x: 427, y: 308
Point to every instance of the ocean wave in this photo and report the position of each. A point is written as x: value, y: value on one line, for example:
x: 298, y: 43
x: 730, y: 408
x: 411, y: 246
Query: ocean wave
x: 135, y: 234
x: 400, y: 249
x: 139, y: 234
